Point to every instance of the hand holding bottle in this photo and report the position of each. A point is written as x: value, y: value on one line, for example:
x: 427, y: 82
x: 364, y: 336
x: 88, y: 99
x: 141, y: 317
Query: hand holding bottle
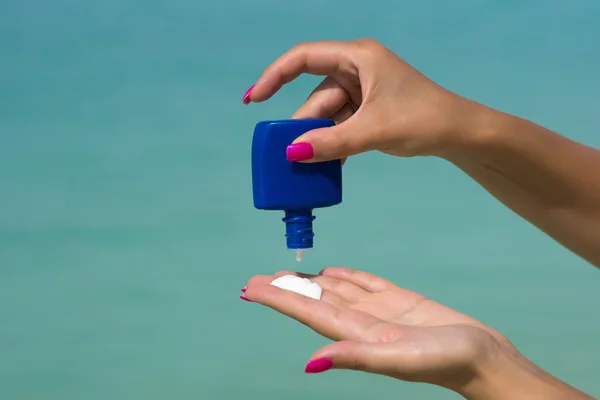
x: 399, y: 111
x: 379, y: 102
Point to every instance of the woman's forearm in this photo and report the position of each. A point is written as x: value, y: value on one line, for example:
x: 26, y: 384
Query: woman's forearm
x: 548, y: 179
x: 511, y: 376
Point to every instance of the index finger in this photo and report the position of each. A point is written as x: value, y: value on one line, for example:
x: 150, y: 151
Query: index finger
x: 315, y: 58
x: 324, y: 318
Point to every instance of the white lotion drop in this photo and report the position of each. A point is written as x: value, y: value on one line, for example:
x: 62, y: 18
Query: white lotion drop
x: 299, y: 285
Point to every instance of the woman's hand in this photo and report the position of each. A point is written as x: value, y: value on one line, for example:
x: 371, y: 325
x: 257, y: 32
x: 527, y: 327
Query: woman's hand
x: 381, y: 328
x: 542, y: 176
x: 399, y: 111
x: 384, y: 329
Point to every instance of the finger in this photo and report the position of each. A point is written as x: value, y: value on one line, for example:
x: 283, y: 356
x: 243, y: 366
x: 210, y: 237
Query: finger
x: 336, y: 142
x: 334, y: 299
x: 316, y: 58
x: 348, y: 292
x: 322, y: 317
x: 326, y: 100
x: 376, y: 358
x: 369, y: 282
x: 343, y: 113
x: 327, y: 296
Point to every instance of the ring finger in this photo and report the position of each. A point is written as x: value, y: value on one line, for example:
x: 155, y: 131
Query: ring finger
x: 327, y: 99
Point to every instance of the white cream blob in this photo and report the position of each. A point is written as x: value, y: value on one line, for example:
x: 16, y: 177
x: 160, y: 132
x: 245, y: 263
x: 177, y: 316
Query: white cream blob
x: 299, y: 285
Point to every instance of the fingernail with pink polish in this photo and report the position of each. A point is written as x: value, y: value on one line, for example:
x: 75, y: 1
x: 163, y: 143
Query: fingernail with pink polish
x: 244, y: 289
x: 318, y: 366
x: 246, y: 97
x: 299, y: 152
x: 245, y: 298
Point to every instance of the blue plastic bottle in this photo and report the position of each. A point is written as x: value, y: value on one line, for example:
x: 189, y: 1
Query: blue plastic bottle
x: 295, y: 188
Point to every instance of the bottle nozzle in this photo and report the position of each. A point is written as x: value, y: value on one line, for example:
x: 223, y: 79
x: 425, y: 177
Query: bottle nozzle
x: 299, y: 233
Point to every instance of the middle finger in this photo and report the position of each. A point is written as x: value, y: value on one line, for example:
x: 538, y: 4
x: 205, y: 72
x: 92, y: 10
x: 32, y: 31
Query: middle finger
x: 325, y: 101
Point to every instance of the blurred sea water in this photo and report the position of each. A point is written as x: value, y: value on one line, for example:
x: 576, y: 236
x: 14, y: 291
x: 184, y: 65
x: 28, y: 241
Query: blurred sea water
x: 126, y: 219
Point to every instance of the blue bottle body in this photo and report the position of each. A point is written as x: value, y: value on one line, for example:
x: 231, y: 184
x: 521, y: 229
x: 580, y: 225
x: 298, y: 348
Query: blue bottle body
x: 295, y: 188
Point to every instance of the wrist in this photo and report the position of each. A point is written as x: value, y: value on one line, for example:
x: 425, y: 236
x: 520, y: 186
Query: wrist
x: 512, y: 376
x: 475, y: 129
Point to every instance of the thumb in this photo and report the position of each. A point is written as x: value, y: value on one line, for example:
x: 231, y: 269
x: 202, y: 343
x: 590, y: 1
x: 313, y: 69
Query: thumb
x: 331, y: 143
x: 357, y: 356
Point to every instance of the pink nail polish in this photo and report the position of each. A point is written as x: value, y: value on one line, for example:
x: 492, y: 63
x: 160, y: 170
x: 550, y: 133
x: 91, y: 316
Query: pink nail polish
x: 244, y: 289
x: 246, y: 97
x: 318, y: 366
x: 299, y: 152
x: 245, y: 298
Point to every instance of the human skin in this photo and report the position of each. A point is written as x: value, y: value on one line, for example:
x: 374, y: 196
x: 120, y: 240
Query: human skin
x: 549, y: 180
x: 381, y: 103
x: 380, y: 328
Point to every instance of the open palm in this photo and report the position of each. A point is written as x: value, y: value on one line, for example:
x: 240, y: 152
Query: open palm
x: 382, y: 328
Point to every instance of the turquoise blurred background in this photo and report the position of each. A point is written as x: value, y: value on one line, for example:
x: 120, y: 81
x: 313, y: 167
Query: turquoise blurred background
x: 126, y: 219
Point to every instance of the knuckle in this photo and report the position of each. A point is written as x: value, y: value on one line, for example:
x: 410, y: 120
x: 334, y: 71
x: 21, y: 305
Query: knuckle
x: 367, y: 41
x: 368, y: 44
x: 333, y: 283
x: 300, y: 46
x: 356, y: 364
x: 327, y: 270
x: 370, y: 49
x: 355, y: 274
x: 255, y: 280
x: 338, y: 144
x: 333, y: 271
